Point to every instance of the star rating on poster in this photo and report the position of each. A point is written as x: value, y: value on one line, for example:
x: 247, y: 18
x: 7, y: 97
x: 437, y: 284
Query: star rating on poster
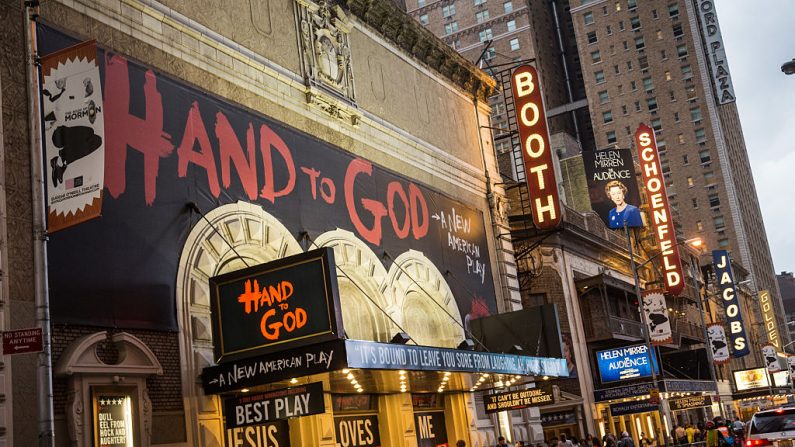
x: 105, y: 402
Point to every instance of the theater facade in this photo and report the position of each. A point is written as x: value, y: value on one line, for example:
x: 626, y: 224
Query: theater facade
x: 301, y: 225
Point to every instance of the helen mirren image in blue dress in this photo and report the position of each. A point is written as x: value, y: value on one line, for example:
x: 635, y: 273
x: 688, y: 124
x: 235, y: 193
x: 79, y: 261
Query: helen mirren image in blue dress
x: 623, y: 212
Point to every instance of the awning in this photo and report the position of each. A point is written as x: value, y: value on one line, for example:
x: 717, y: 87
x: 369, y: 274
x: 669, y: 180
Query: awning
x: 367, y: 355
x: 666, y: 385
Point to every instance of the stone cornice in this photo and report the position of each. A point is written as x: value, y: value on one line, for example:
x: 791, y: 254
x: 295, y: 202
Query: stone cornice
x: 387, y: 19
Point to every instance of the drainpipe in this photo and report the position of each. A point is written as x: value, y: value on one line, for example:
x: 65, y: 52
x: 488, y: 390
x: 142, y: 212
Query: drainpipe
x: 44, y: 395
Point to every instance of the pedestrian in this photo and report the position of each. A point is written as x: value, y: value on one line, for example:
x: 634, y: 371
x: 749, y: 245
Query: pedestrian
x: 608, y: 440
x: 626, y: 440
x: 713, y: 437
x: 564, y: 442
x: 595, y: 442
x: 680, y: 435
x: 501, y: 442
x: 644, y: 440
x: 460, y: 443
x: 690, y: 432
x: 519, y: 444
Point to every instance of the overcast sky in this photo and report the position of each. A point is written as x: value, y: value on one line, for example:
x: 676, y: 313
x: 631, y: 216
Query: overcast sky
x: 759, y: 36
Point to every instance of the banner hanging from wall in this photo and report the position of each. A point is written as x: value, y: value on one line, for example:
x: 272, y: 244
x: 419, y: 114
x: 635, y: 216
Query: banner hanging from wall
x: 74, y: 135
x: 659, y: 209
x: 770, y: 356
x: 657, y: 320
x: 718, y: 343
x: 738, y: 342
x: 769, y: 319
x: 791, y: 366
x: 539, y: 163
x: 169, y: 144
x: 612, y: 187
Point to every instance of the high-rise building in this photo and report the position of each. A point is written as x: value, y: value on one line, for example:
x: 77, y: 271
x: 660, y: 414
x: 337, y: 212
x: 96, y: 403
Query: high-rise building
x: 662, y: 62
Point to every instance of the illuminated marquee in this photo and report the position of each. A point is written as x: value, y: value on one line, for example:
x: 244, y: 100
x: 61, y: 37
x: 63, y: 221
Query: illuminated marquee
x: 769, y: 319
x: 723, y: 274
x: 659, y: 211
x: 537, y: 155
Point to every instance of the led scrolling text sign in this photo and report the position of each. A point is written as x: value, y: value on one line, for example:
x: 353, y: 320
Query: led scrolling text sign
x: 659, y: 211
x: 536, y: 153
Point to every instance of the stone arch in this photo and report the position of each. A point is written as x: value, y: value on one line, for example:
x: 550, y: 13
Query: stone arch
x: 359, y: 286
x: 420, y: 300
x: 256, y: 237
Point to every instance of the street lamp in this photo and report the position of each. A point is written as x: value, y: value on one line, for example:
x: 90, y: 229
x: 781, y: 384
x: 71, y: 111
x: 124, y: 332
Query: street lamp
x: 788, y: 67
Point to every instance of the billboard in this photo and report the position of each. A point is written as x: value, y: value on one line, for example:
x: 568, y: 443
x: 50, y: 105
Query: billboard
x: 625, y: 363
x: 657, y: 321
x: 539, y: 165
x: 516, y: 400
x: 74, y: 135
x: 770, y: 357
x: 738, y: 342
x: 659, y: 209
x: 612, y: 187
x: 169, y: 144
x: 749, y: 379
x: 256, y: 409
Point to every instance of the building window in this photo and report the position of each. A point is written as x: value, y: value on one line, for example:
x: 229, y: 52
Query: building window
x: 667, y: 75
x: 691, y: 94
x: 621, y: 25
x: 659, y: 35
x: 676, y: 117
x: 723, y: 243
x: 704, y: 156
x: 451, y: 27
x: 456, y: 44
x: 627, y: 130
x: 491, y: 53
x: 592, y: 37
x: 420, y: 3
x: 507, y: 7
x: 699, y: 225
x: 448, y: 10
x: 616, y: 70
x: 695, y: 114
x: 637, y: 106
x: 626, y: 45
x: 632, y: 4
x: 648, y: 85
x: 587, y: 18
x: 656, y: 124
x: 673, y: 10
x: 633, y: 85
x: 479, y: 2
x: 634, y: 23
x: 687, y: 72
x: 607, y: 117
x: 714, y: 200
x: 596, y: 56
x: 618, y: 6
x: 620, y: 88
x: 629, y: 65
x: 603, y: 97
x: 654, y: 14
x: 672, y: 95
x: 695, y: 202
x: 600, y: 76
x: 486, y: 34
x: 720, y: 222
x: 609, y: 30
x: 665, y: 165
x: 624, y: 110
x: 709, y: 178
x: 640, y: 43
x: 611, y: 137
x: 681, y: 50
x: 514, y: 44
x: 424, y: 19
x: 511, y: 25
x: 685, y: 160
x: 503, y: 147
x: 482, y: 16
x: 678, y: 32
x: 643, y: 61
x: 680, y: 139
x: 661, y: 146
x: 701, y: 135
x: 651, y: 103
x: 690, y: 182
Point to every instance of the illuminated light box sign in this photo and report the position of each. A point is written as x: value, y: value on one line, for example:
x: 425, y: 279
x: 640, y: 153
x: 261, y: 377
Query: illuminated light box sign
x: 634, y: 407
x: 686, y: 403
x: 769, y: 319
x: 536, y: 151
x: 256, y: 409
x: 114, y: 418
x: 272, y: 434
x: 731, y: 303
x: 659, y: 209
x: 612, y: 187
x: 625, y: 363
x: 286, y: 303
x: 516, y: 400
x: 749, y: 379
x: 357, y: 431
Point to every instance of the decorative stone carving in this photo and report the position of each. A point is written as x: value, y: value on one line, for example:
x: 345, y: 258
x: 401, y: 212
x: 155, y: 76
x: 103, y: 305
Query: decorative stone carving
x: 326, y: 58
